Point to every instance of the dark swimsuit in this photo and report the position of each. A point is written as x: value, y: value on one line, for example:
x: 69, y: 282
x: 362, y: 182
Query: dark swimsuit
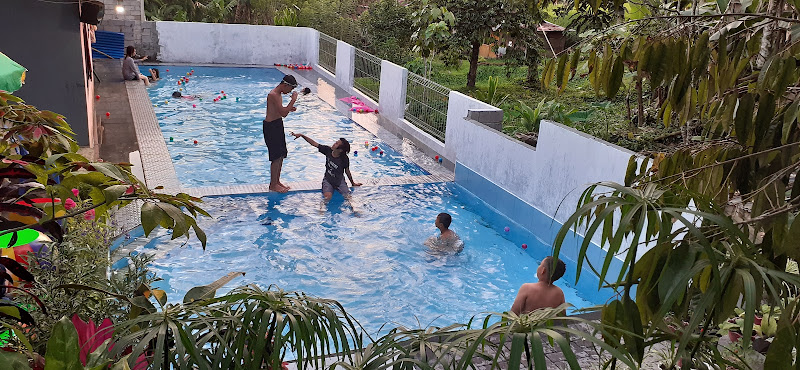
x: 275, y: 138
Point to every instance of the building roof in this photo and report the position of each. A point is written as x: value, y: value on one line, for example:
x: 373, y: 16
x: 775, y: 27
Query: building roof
x: 550, y: 27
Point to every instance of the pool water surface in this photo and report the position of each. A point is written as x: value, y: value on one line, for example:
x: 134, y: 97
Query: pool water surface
x: 230, y: 145
x: 370, y: 257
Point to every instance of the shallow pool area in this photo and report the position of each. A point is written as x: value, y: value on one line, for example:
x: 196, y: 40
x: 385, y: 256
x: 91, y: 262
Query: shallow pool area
x: 370, y: 256
x: 230, y: 145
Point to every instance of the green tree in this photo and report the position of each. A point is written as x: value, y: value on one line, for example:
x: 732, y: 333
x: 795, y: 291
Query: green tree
x: 432, y: 25
x: 479, y: 22
x: 336, y: 18
x: 712, y: 225
x: 387, y: 30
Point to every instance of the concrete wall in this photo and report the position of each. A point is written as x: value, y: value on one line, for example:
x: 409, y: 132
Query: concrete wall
x: 559, y: 168
x: 45, y: 37
x: 457, y: 144
x: 142, y: 35
x: 132, y: 22
x: 187, y: 42
x: 133, y: 10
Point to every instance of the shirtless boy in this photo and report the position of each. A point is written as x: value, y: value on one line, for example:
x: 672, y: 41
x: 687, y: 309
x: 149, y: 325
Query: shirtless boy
x: 274, y: 136
x: 533, y: 296
x: 448, y: 241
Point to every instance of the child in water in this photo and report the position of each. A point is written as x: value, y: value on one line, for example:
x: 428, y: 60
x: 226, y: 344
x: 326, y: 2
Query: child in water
x: 448, y: 241
x: 177, y: 95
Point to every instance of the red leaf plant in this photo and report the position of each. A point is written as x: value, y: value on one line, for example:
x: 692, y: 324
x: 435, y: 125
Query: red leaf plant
x: 90, y: 337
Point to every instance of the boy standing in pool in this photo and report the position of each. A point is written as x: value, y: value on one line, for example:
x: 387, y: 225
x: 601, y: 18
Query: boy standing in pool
x: 337, y: 164
x: 274, y: 135
x: 448, y: 241
x: 533, y: 296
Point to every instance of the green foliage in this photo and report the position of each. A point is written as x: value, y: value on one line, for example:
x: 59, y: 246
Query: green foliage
x: 247, y: 327
x: 584, y: 18
x: 528, y: 119
x: 286, y: 17
x: 51, y: 152
x: 14, y: 360
x: 387, y: 31
x: 172, y: 10
x: 216, y: 11
x: 492, y: 96
x: 477, y: 21
x: 432, y: 26
x: 73, y: 217
x: 453, y: 54
x: 332, y: 17
x: 63, y: 347
x: 416, y: 65
x: 81, y: 258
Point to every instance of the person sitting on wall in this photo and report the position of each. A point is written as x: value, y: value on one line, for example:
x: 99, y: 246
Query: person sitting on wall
x: 448, y: 241
x: 532, y: 296
x: 130, y: 71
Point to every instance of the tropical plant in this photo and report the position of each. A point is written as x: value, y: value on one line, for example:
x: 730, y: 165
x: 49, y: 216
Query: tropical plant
x: 387, y: 30
x: 37, y: 147
x: 286, y: 17
x: 173, y: 10
x: 528, y: 119
x: 711, y: 225
x: 216, y: 11
x: 492, y: 96
x: 247, y: 327
x: 44, y: 184
x: 432, y: 25
x: 332, y: 17
x: 82, y: 258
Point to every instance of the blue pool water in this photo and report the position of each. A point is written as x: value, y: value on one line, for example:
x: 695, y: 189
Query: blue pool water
x: 231, y: 147
x: 371, y: 258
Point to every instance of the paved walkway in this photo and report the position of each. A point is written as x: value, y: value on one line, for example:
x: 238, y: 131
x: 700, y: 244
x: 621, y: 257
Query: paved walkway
x: 119, y: 136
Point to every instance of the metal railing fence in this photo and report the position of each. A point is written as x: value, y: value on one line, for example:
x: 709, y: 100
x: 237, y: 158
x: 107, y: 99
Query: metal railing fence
x: 327, y: 52
x: 367, y: 74
x: 426, y: 105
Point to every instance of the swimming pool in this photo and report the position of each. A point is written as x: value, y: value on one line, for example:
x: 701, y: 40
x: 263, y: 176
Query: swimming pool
x: 230, y: 145
x: 370, y: 258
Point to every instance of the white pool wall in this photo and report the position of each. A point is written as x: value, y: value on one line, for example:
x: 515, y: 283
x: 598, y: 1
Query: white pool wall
x: 243, y: 44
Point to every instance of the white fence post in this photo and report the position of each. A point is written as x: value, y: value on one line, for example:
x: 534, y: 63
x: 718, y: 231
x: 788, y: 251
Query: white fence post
x: 313, y: 48
x: 392, y: 95
x: 345, y: 64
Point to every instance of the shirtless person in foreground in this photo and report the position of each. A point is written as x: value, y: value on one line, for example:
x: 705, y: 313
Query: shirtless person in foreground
x: 533, y: 296
x: 274, y: 135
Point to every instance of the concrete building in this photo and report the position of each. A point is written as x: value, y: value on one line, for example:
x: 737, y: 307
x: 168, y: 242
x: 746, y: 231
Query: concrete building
x: 49, y: 40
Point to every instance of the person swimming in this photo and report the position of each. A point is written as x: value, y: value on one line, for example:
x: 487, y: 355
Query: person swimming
x: 448, y: 242
x: 178, y: 95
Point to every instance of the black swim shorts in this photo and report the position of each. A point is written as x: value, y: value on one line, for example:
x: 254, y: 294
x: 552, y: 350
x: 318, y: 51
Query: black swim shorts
x: 275, y: 138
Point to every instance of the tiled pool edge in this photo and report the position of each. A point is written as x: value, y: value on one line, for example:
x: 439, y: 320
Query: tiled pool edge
x: 312, y: 185
x: 156, y: 161
x: 532, y: 219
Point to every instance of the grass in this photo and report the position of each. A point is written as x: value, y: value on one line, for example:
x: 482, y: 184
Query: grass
x: 609, y: 123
